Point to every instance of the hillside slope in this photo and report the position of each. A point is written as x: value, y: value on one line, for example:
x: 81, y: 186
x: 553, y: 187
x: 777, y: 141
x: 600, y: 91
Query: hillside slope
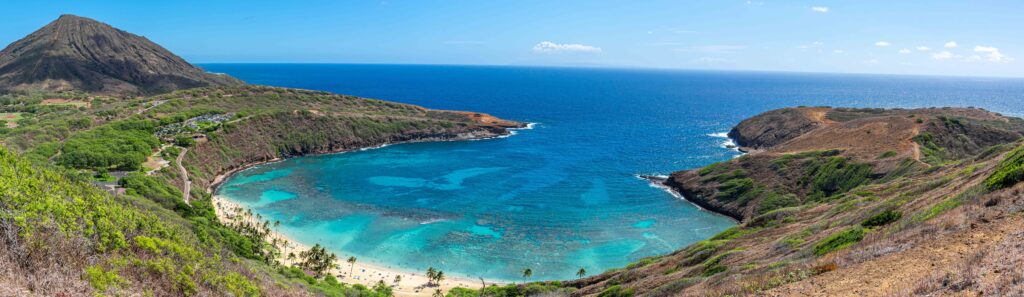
x: 829, y: 198
x: 76, y: 53
x: 90, y: 205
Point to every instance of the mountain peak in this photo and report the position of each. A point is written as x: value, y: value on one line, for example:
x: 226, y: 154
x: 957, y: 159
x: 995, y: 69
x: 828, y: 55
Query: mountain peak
x: 78, y: 53
x: 71, y: 17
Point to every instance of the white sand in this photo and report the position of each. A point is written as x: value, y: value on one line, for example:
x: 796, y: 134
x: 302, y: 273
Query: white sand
x: 412, y: 283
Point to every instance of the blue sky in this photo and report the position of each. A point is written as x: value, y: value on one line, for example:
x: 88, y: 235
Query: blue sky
x: 975, y: 38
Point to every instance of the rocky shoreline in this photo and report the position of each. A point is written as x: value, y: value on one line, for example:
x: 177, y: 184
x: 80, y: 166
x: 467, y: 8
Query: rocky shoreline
x: 681, y: 192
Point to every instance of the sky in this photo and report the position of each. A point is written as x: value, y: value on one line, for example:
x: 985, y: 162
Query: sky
x: 936, y: 37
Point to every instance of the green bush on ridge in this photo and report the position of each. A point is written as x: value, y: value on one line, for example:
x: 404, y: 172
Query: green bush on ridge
x: 1009, y: 172
x: 839, y: 241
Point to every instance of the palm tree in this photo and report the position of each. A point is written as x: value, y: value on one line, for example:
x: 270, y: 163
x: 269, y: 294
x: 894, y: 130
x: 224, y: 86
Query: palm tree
x: 527, y: 273
x: 439, y: 276
x: 431, y: 274
x: 438, y: 293
x: 351, y: 265
x: 398, y: 278
x: 581, y: 273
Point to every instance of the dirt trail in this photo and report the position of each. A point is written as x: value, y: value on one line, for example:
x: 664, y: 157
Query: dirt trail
x: 184, y: 175
x: 898, y: 272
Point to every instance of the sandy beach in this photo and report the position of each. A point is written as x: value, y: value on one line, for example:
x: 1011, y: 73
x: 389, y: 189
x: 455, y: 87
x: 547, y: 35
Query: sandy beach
x: 413, y: 283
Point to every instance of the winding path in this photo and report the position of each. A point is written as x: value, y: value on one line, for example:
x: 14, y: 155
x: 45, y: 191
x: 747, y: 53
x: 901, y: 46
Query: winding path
x: 184, y: 175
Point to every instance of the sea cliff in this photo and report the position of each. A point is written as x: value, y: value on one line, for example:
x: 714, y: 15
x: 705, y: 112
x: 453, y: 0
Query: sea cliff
x: 837, y: 195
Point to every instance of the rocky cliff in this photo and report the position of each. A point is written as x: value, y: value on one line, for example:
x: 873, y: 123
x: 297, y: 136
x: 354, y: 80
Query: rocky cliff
x: 829, y: 198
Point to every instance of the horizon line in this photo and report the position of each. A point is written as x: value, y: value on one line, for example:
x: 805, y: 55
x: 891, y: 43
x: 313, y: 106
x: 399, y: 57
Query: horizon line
x: 619, y: 67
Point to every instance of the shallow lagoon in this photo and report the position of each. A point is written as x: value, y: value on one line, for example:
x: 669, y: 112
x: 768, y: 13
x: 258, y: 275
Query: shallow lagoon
x: 561, y: 196
x: 478, y: 208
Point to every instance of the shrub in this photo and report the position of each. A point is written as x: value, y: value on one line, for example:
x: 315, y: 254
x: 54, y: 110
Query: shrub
x: 123, y: 145
x: 887, y: 154
x: 835, y: 175
x: 616, y: 291
x: 882, y: 219
x: 733, y: 233
x: 734, y: 188
x: 1009, y: 172
x: 839, y: 241
x: 939, y: 208
x: 714, y: 265
x: 184, y: 141
x: 100, y: 279
x: 776, y: 201
x: 641, y: 263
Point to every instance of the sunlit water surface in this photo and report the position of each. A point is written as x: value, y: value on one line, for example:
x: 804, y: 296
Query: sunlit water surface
x: 555, y: 198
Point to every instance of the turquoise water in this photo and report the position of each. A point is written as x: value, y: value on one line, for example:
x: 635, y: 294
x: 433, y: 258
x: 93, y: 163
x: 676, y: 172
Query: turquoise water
x: 555, y: 198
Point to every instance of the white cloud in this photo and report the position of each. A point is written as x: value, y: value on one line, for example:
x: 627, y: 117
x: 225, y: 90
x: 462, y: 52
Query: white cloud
x: 821, y: 9
x: 548, y: 47
x: 943, y: 55
x: 758, y: 3
x: 882, y: 43
x: 992, y: 53
x: 838, y: 51
x: 924, y: 48
x: 950, y: 44
x: 905, y: 51
x: 873, y: 61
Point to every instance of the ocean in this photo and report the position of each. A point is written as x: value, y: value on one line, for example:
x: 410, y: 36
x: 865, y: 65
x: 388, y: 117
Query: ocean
x: 558, y: 197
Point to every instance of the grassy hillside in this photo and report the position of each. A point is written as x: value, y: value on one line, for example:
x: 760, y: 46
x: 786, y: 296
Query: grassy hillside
x: 846, y: 189
x: 824, y: 208
x: 62, y: 234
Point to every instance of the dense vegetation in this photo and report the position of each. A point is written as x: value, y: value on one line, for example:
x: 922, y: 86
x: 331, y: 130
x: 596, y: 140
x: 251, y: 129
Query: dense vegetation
x: 1009, y: 172
x: 121, y: 145
x: 149, y: 240
x: 133, y: 241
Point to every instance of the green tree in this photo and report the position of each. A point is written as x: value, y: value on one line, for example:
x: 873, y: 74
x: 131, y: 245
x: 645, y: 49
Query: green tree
x: 383, y: 289
x: 317, y: 259
x: 431, y: 274
x: 351, y: 265
x: 580, y: 273
x: 527, y: 273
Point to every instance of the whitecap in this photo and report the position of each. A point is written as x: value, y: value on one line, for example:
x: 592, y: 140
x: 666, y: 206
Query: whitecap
x: 511, y: 132
x: 728, y: 143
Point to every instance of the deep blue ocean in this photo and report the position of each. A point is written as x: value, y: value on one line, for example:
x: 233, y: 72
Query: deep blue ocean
x: 562, y: 195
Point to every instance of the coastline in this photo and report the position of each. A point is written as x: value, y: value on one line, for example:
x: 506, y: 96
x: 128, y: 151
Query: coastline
x: 665, y: 182
x: 662, y: 182
x: 468, y: 136
x: 413, y: 283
